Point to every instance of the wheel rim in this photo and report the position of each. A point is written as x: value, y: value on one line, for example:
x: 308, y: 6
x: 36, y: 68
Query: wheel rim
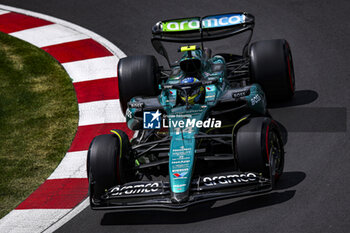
x: 276, y: 156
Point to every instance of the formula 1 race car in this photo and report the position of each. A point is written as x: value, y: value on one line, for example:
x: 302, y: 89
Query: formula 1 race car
x: 201, y: 127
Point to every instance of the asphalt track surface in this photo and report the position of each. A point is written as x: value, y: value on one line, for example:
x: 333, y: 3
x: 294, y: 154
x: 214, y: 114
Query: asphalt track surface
x: 313, y: 194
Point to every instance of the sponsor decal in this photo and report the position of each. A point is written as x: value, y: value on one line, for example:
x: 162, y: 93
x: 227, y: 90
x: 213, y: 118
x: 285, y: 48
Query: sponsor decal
x: 134, y: 189
x: 167, y: 86
x: 210, y: 93
x: 179, y: 186
x: 151, y: 120
x: 136, y: 104
x: 222, y: 20
x: 256, y: 99
x: 128, y: 113
x: 181, y: 25
x: 209, y: 82
x: 180, y: 161
x: 180, y: 174
x: 229, y: 179
x: 240, y: 93
x: 209, y: 22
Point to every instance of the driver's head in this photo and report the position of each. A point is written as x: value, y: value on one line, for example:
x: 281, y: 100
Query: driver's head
x: 195, y: 94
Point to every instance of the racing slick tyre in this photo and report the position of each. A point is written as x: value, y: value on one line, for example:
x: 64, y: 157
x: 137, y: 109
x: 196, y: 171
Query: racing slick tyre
x: 259, y: 148
x: 271, y: 66
x: 109, y: 162
x: 137, y: 76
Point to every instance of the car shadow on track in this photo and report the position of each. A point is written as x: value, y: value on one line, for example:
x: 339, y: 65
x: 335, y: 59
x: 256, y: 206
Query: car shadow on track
x: 297, y: 118
x: 301, y: 97
x: 195, y: 213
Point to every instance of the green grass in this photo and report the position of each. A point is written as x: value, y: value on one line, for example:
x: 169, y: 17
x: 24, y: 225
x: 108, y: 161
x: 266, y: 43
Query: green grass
x: 38, y: 119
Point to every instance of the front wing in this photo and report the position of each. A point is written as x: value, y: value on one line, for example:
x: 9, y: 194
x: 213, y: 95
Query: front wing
x: 157, y: 194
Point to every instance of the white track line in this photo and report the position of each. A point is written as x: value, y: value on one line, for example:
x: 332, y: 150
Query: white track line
x: 68, y: 216
x: 32, y: 220
x: 91, y: 69
x: 49, y: 35
x: 3, y: 12
x: 73, y: 165
x: 99, y: 112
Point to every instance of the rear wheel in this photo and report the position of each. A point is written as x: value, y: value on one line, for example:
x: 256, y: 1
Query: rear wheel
x: 109, y: 163
x: 271, y: 66
x: 259, y: 148
x: 137, y: 76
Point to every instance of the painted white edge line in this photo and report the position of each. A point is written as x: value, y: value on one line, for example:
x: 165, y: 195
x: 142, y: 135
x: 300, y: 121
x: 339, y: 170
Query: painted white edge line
x: 75, y: 211
x: 31, y: 220
x: 92, y: 69
x: 111, y: 47
x: 100, y: 112
x: 49, y: 35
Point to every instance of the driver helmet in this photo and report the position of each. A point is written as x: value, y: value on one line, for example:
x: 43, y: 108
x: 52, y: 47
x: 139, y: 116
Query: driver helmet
x: 195, y: 94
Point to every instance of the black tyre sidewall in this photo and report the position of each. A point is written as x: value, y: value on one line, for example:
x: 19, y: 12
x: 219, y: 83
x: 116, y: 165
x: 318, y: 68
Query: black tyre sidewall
x: 271, y: 66
x: 252, y: 146
x: 103, y: 163
x: 137, y: 76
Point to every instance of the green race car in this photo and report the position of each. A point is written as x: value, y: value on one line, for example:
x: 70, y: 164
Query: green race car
x: 201, y: 127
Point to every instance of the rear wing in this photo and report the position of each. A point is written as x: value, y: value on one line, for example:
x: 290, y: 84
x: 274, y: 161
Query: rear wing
x: 197, y: 29
x: 200, y: 29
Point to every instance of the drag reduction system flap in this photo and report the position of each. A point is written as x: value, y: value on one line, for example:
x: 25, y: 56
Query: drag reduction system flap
x: 196, y: 29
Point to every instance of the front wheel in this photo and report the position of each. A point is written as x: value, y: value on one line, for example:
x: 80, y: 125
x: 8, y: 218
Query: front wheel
x: 109, y: 163
x: 259, y: 148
